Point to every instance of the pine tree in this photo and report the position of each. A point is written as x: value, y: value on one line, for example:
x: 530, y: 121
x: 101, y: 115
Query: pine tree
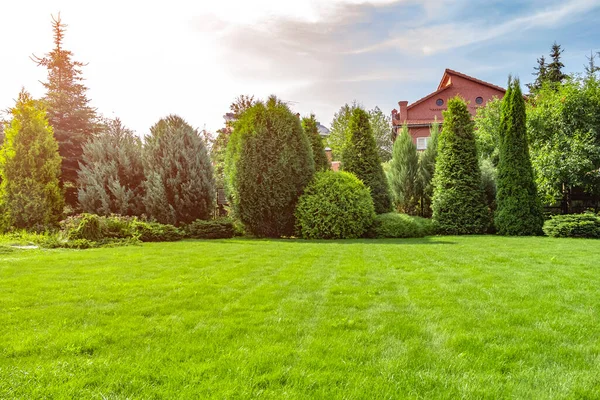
x: 458, y: 202
x: 318, y: 150
x: 360, y: 158
x: 382, y: 131
x: 404, y: 170
x: 269, y: 163
x: 111, y: 172
x: 427, y: 170
x: 591, y: 68
x: 519, y: 210
x: 541, y: 74
x: 179, y: 186
x: 30, y: 196
x: 69, y: 113
x: 554, y: 70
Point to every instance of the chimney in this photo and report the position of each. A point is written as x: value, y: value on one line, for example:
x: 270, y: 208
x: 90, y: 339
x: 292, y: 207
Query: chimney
x: 403, y: 114
x: 328, y: 154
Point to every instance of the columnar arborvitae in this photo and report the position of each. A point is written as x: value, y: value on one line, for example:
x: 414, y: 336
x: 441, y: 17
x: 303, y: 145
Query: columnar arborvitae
x: 519, y: 210
x: 179, y: 186
x: 404, y: 171
x: 360, y: 158
x: 30, y: 196
x: 269, y: 162
x: 69, y: 113
x: 311, y: 131
x: 458, y: 202
x: 111, y: 174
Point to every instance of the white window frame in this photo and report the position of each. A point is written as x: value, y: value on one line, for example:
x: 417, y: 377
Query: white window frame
x: 422, y: 143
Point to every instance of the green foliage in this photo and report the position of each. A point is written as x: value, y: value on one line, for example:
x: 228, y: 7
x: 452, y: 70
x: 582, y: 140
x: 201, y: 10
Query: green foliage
x: 458, y: 203
x: 404, y: 173
x: 541, y: 75
x: 519, y: 211
x: 360, y: 158
x: 394, y: 225
x: 30, y: 196
x: 269, y: 162
x: 336, y: 205
x: 180, y: 186
x: 563, y: 125
x: 553, y: 71
x: 489, y: 177
x: 214, y: 229
x: 339, y: 128
x: 217, y: 156
x: 427, y: 160
x: 381, y: 124
x: 573, y: 225
x: 309, y: 125
x: 156, y: 232
x: 487, y: 130
x: 69, y: 113
x: 111, y: 175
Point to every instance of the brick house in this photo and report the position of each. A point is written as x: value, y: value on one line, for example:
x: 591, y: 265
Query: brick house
x: 422, y: 113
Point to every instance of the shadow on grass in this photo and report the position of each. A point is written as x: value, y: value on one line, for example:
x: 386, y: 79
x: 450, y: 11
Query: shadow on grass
x: 437, y: 240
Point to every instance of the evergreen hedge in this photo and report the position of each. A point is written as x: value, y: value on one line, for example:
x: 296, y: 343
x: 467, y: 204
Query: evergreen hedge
x: 458, y: 200
x: 269, y: 162
x: 312, y: 133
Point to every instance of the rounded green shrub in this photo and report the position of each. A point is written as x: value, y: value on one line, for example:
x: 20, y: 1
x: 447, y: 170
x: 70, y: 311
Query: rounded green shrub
x: 215, y: 229
x: 573, y: 225
x: 335, y: 205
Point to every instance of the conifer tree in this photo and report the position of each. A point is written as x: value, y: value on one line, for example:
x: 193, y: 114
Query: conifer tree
x: 554, y: 70
x: 111, y: 172
x: 519, y: 210
x: 318, y: 150
x: 541, y: 74
x: 268, y: 164
x: 179, y: 186
x: 30, y: 196
x: 427, y: 170
x: 458, y: 202
x: 69, y: 112
x: 360, y: 157
x: 404, y: 171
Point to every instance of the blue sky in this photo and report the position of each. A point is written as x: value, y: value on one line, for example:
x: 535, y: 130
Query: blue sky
x: 194, y: 59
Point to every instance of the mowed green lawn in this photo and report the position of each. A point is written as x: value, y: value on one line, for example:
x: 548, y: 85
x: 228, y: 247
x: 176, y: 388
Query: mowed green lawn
x: 441, y: 317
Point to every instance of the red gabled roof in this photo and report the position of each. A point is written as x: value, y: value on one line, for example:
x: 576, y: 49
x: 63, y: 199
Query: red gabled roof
x: 429, y: 95
x: 449, y: 71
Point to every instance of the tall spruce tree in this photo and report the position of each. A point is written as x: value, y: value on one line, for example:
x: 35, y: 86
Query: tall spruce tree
x: 519, y: 210
x: 404, y: 170
x: 69, y: 112
x: 541, y: 74
x: 30, y: 196
x: 111, y: 172
x: 268, y: 164
x: 360, y: 157
x: 554, y: 70
x: 179, y: 186
x: 311, y: 131
x: 427, y: 170
x: 458, y: 203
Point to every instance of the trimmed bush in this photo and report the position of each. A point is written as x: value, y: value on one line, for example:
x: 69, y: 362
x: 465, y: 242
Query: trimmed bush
x: 269, y: 163
x: 216, y: 229
x: 394, y: 225
x: 335, y: 205
x: 459, y: 206
x: 360, y: 157
x: 573, y: 225
x: 156, y: 232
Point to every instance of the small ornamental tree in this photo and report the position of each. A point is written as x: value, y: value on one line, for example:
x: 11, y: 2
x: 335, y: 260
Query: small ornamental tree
x: 312, y: 133
x: 458, y: 202
x: 404, y: 171
x: 360, y: 157
x: 179, y: 186
x: 111, y: 172
x: 426, y: 172
x: 519, y: 210
x: 269, y: 162
x: 30, y: 196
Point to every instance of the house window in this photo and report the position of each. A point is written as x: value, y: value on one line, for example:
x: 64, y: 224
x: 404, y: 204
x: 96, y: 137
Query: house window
x: 479, y: 100
x: 422, y: 143
x: 439, y: 102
